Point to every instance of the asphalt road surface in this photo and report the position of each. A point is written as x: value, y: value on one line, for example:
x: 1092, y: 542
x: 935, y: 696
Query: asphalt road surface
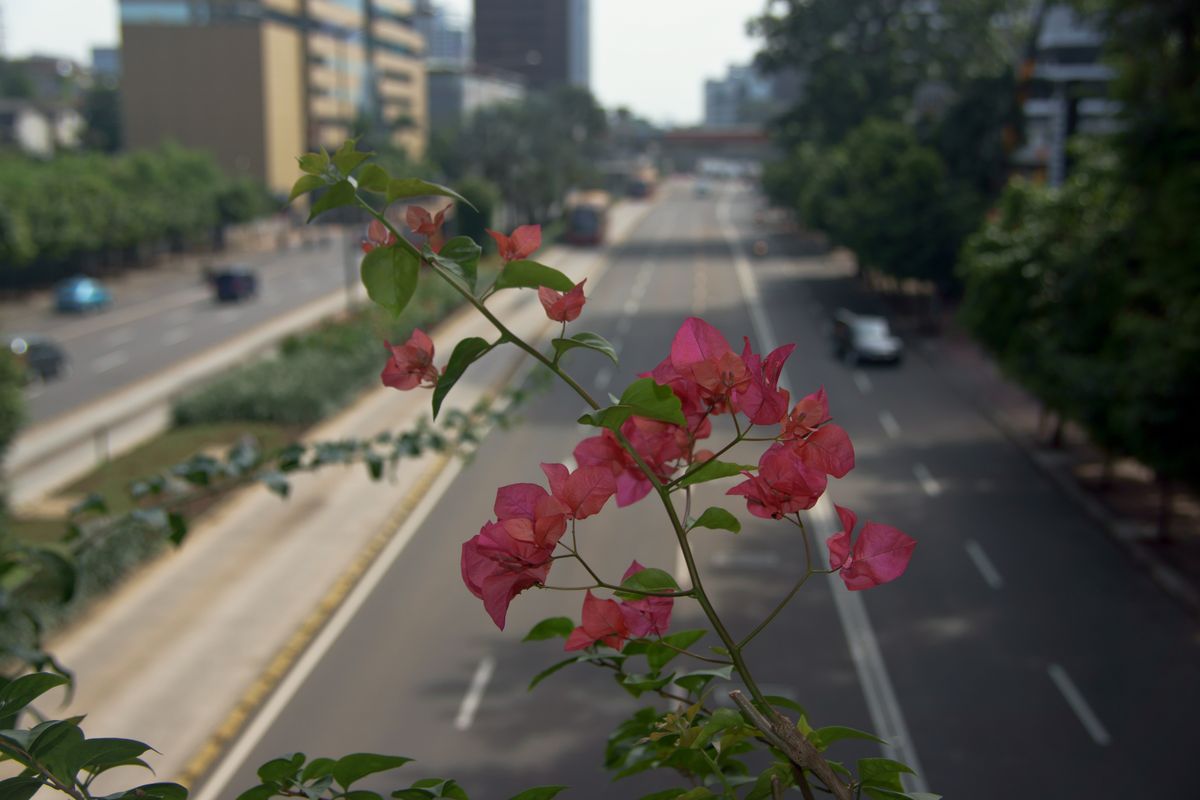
x: 1023, y: 654
x: 162, y: 317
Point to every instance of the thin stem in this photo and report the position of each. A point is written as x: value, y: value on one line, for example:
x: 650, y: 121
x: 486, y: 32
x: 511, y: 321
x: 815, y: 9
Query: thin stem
x: 571, y: 588
x: 671, y: 486
x: 697, y: 656
x: 808, y: 572
x: 720, y: 775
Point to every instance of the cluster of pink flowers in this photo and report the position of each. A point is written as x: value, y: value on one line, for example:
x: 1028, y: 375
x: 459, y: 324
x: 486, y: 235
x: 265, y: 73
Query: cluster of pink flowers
x: 516, y: 551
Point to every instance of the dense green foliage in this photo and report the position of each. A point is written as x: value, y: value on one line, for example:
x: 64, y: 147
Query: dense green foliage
x: 533, y: 151
x: 314, y: 373
x: 474, y: 222
x: 118, y: 209
x: 12, y: 377
x: 900, y: 139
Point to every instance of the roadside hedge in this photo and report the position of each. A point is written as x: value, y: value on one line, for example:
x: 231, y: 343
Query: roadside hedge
x: 314, y: 373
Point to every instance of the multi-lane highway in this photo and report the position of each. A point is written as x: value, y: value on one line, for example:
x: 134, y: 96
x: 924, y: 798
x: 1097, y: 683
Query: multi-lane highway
x: 162, y: 317
x: 1022, y: 655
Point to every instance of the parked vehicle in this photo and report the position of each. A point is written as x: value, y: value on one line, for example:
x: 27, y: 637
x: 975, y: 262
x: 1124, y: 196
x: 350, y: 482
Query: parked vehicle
x: 234, y: 283
x: 42, y: 357
x: 587, y: 217
x: 858, y: 338
x: 80, y: 294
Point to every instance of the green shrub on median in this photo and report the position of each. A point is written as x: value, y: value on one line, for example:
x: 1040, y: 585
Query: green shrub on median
x: 314, y: 373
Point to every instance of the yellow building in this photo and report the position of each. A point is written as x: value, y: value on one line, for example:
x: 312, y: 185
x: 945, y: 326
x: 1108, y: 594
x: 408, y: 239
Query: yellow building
x: 256, y: 82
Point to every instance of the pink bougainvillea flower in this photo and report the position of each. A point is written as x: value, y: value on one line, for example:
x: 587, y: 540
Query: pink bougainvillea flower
x: 761, y: 399
x: 378, y: 235
x: 496, y: 568
x: 880, y: 554
x: 603, y: 622
x: 660, y: 444
x: 582, y: 492
x: 700, y: 353
x: 563, y: 306
x: 410, y: 364
x: 424, y: 223
x: 646, y: 616
x: 822, y: 444
x: 529, y: 513
x: 695, y: 409
x: 522, y: 244
x: 784, y: 484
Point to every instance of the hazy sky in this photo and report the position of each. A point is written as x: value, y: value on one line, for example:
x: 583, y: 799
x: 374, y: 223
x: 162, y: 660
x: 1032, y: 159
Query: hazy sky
x: 651, y: 55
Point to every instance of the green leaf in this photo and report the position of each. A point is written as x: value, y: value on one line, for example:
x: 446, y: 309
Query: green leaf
x: 260, y: 792
x: 348, y: 157
x: 665, y: 794
x: 351, y: 768
x: 699, y: 793
x: 390, y: 275
x: 157, y: 791
x: 881, y: 773
x: 373, y: 178
x: 779, y: 701
x: 642, y: 398
x: 466, y: 352
x: 539, y: 793
x: 400, y: 188
x: 718, y: 519
x: 696, y: 680
x: 713, y: 470
x: 305, y: 184
x: 823, y: 737
x: 637, y: 684
x: 550, y: 628
x: 658, y: 655
x: 278, y: 770
x: 460, y: 256
x: 96, y: 755
x: 526, y: 274
x: 178, y: 527
x: 19, y: 788
x: 413, y: 794
x: 362, y: 794
x: 591, y: 341
x: 25, y: 689
x: 314, y: 163
x: 649, y: 580
x: 318, y: 768
x: 338, y: 195
x: 548, y: 671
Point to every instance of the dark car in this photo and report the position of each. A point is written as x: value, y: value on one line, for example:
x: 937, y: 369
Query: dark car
x: 859, y: 337
x: 80, y: 294
x: 232, y: 284
x: 42, y: 357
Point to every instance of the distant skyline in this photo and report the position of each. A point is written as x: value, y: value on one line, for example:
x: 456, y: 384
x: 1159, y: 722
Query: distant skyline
x: 652, y: 56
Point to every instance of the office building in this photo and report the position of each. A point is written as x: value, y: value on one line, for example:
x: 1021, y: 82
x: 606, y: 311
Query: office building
x: 456, y: 93
x: 256, y: 82
x: 545, y: 41
x: 743, y: 97
x: 447, y: 37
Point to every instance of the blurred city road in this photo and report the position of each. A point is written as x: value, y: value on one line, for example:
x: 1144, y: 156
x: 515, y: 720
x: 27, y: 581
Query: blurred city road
x: 162, y: 317
x: 1023, y: 652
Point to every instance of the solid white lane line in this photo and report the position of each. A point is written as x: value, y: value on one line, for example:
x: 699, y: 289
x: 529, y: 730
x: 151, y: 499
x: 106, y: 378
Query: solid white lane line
x: 862, y: 381
x: 603, y: 376
x: 175, y: 336
x: 631, y: 306
x: 882, y: 703
x: 110, y: 361
x: 682, y: 577
x: 1075, y: 699
x: 214, y: 787
x: 474, y: 695
x: 929, y: 484
x: 890, y: 426
x: 986, y: 568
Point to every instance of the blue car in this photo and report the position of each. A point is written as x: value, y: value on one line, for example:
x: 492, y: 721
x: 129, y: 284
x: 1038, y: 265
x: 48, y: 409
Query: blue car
x: 79, y: 294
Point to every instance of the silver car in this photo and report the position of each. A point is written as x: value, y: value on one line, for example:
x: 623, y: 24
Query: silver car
x: 858, y: 338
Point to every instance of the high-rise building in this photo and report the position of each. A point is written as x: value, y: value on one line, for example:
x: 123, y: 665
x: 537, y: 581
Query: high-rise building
x: 256, y: 82
x: 447, y: 37
x: 546, y: 41
x: 744, y: 96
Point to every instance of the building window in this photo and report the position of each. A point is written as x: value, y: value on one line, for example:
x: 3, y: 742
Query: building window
x: 164, y: 12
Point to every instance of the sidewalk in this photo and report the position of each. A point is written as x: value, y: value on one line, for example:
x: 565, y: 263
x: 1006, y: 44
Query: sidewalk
x: 183, y: 653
